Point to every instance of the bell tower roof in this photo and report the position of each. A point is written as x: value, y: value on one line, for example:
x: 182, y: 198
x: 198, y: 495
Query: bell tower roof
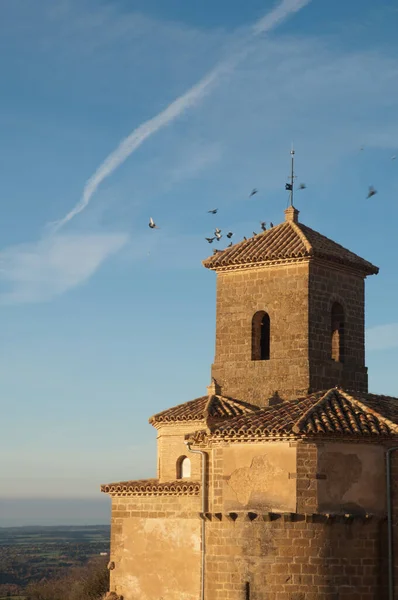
x: 287, y: 242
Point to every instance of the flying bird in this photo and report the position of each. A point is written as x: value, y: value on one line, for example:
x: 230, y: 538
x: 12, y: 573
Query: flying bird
x: 393, y: 157
x: 217, y: 230
x: 218, y: 236
x: 210, y: 240
x: 229, y: 234
x: 152, y: 224
x: 302, y: 186
x: 371, y: 192
x: 254, y: 191
x: 213, y: 211
x: 263, y: 225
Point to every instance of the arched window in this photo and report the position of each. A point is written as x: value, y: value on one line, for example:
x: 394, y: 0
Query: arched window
x: 261, y: 335
x: 183, y: 468
x: 337, y: 332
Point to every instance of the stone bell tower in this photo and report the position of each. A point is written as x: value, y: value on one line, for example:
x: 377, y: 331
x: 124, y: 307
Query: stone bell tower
x: 290, y: 315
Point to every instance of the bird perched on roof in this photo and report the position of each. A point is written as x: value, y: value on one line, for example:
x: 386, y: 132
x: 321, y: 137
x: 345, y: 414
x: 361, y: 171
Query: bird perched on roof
x: 263, y: 225
x: 216, y: 250
x: 271, y: 224
x: 152, y: 224
x: 229, y: 234
x: 302, y: 186
x: 254, y: 191
x: 229, y: 245
x: 371, y: 192
x: 254, y: 233
x: 213, y: 211
x: 245, y: 238
x: 210, y: 240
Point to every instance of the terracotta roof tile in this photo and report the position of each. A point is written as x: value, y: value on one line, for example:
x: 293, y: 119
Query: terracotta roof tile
x: 152, y: 487
x: 334, y: 412
x: 201, y: 409
x: 289, y: 240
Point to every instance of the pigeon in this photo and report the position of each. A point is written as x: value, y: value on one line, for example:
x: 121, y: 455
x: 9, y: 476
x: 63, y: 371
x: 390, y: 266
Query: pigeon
x: 393, y: 157
x: 229, y: 234
x: 371, y: 192
x: 245, y: 238
x: 210, y: 240
x: 263, y: 225
x: 289, y: 187
x: 254, y: 233
x: 152, y: 224
x: 217, y: 230
x: 218, y: 236
x: 229, y: 245
x: 216, y: 251
x: 271, y: 224
x: 302, y: 186
x: 254, y: 191
x: 213, y: 211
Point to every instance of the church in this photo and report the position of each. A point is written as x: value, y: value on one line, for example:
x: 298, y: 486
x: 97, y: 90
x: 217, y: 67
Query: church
x: 280, y: 483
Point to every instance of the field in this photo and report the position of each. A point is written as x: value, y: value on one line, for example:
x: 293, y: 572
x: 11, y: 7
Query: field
x: 33, y: 553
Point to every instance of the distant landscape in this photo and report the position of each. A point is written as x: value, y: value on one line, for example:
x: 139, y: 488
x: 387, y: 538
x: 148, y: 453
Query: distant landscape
x: 15, y: 512
x: 35, y: 553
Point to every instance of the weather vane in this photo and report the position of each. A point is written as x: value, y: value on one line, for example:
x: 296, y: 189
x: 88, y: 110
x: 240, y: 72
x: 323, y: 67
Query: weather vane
x: 289, y: 186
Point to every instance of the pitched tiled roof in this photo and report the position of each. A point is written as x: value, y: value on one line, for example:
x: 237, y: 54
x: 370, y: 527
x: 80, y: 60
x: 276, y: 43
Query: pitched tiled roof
x: 201, y: 409
x: 334, y: 412
x: 152, y: 487
x: 289, y: 240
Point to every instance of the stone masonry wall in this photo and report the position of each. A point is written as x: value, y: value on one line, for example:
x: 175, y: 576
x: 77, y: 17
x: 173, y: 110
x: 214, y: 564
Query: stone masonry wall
x: 281, y: 291
x: 170, y: 447
x: 394, y: 497
x: 302, y: 555
x: 327, y: 285
x: 298, y: 298
x: 252, y: 554
x: 303, y: 477
x: 155, y: 547
x: 298, y: 560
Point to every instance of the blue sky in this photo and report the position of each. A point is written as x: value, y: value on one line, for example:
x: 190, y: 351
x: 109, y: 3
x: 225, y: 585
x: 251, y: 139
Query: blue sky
x: 105, y: 322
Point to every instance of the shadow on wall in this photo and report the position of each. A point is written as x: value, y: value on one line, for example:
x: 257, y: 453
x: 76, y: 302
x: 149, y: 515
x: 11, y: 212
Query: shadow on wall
x: 353, y: 479
x: 275, y: 399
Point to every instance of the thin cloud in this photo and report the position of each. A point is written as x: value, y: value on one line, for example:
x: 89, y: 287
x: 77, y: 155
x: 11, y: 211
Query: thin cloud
x: 176, y: 108
x: 382, y: 337
x: 279, y: 14
x: 42, y: 270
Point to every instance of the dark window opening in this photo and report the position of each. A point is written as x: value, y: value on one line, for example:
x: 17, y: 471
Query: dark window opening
x: 337, y: 337
x: 261, y: 336
x: 247, y: 590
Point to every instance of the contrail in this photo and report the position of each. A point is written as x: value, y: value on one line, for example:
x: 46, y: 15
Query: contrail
x: 176, y: 108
